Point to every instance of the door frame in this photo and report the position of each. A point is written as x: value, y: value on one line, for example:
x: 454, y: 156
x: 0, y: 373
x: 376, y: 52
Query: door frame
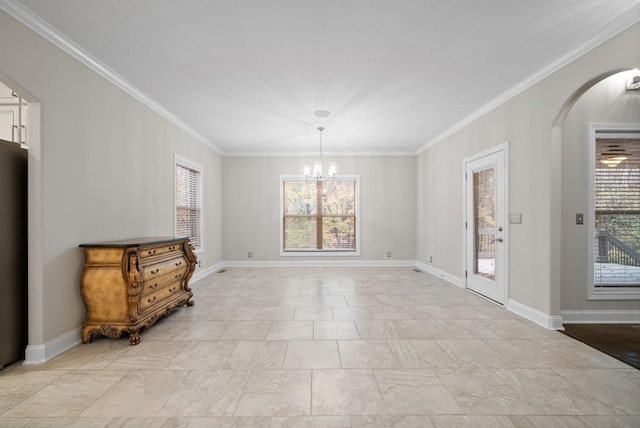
x: 504, y: 147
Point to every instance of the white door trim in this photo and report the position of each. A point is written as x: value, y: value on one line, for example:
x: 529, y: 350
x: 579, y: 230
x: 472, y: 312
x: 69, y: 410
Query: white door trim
x: 504, y: 147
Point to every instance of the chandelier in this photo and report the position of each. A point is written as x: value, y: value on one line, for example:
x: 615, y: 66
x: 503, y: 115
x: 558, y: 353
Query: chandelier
x: 317, y: 165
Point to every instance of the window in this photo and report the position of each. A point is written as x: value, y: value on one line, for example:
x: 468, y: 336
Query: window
x: 188, y: 201
x: 616, y: 215
x: 319, y: 216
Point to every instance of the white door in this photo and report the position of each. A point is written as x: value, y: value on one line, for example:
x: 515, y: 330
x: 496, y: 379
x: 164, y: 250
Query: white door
x: 485, y: 222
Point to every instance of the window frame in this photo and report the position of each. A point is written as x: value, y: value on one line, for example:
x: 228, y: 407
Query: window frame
x: 603, y: 130
x: 186, y: 163
x: 315, y: 252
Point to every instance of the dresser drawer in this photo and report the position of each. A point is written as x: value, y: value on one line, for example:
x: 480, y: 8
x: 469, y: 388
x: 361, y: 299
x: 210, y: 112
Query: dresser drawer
x: 161, y: 281
x: 152, y: 271
x: 157, y: 250
x: 150, y: 300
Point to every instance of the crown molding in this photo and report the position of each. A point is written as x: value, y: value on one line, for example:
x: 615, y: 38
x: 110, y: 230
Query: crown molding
x: 316, y: 154
x: 35, y: 23
x: 619, y: 25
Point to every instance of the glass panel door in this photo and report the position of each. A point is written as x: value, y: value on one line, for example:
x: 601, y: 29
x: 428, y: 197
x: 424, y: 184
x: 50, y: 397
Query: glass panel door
x: 484, y: 198
x: 485, y: 213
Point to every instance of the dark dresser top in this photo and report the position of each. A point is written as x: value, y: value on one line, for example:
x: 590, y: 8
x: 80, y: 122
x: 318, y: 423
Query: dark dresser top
x: 136, y: 242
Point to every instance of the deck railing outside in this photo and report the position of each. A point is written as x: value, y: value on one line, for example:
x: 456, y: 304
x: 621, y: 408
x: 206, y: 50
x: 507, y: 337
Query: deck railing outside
x: 610, y: 249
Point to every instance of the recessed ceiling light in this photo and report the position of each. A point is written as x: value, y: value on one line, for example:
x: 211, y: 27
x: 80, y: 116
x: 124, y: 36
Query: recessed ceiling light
x: 321, y: 113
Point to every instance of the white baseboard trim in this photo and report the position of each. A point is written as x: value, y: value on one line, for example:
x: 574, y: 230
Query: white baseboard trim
x: 552, y: 322
x: 38, y: 354
x: 601, y: 316
x: 201, y: 273
x: 441, y: 274
x: 328, y: 263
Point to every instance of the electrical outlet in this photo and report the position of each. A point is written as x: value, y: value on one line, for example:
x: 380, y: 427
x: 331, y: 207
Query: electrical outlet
x: 579, y: 218
x: 249, y: 254
x: 199, y: 263
x: 388, y: 253
x: 430, y: 259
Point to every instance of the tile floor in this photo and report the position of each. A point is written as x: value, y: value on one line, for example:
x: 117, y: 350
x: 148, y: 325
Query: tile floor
x: 328, y: 347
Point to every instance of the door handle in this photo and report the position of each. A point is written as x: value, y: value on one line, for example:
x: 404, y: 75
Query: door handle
x: 499, y: 239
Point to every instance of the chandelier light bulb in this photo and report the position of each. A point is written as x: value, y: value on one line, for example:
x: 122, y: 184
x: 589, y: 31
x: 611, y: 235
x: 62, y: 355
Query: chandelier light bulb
x: 333, y: 169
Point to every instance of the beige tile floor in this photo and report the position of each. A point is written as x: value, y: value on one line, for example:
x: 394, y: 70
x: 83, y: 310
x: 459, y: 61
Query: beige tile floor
x: 328, y: 347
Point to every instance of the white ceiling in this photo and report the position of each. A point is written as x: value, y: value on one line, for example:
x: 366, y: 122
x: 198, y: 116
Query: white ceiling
x: 245, y: 76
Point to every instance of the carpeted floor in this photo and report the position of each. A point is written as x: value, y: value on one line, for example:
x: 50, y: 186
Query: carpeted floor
x: 621, y: 341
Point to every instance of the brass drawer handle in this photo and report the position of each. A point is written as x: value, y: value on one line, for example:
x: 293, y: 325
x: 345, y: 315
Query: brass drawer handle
x: 178, y: 275
x: 173, y: 289
x: 151, y: 252
x: 179, y: 264
x: 154, y: 286
x: 173, y: 247
x: 153, y: 272
x: 152, y: 300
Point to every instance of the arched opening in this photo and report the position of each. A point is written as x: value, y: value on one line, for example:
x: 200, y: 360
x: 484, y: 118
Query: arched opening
x: 604, y: 100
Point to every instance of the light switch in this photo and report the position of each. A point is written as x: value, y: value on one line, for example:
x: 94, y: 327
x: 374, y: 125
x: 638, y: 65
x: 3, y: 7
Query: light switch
x: 515, y: 218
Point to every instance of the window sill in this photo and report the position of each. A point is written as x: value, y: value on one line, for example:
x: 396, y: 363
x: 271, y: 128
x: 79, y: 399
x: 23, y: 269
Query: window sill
x: 614, y: 294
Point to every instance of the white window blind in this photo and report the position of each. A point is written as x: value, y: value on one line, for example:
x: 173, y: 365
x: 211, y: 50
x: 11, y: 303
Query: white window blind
x: 320, y: 215
x: 617, y: 213
x: 188, y: 203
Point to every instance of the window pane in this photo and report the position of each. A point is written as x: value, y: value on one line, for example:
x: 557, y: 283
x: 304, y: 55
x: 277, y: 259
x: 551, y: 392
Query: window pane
x: 338, y: 233
x: 484, y: 197
x: 617, y: 213
x: 338, y: 215
x: 188, y: 204
x: 300, y: 233
x: 338, y: 198
x: 300, y: 198
x: 308, y: 226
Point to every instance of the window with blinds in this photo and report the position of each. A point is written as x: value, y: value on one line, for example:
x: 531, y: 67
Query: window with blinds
x: 319, y: 215
x: 617, y: 213
x: 188, y: 201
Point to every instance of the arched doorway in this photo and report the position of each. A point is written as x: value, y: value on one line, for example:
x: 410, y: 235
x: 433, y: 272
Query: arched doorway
x: 604, y: 99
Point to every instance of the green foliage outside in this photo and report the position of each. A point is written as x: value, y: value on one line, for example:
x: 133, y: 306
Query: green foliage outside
x: 337, y: 214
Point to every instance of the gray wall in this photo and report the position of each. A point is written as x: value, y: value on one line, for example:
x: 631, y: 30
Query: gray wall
x: 251, y: 214
x: 531, y: 123
x: 104, y: 171
x: 606, y: 102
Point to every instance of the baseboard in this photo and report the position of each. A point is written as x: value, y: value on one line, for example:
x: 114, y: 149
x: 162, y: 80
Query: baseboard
x: 551, y: 322
x: 200, y: 273
x: 441, y: 274
x: 601, y: 316
x: 38, y: 354
x: 320, y: 262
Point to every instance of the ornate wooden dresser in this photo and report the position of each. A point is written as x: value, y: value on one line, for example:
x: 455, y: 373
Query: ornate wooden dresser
x: 127, y: 285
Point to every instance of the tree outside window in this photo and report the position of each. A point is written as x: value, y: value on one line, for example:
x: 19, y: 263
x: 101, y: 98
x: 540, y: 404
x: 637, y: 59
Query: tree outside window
x: 319, y: 215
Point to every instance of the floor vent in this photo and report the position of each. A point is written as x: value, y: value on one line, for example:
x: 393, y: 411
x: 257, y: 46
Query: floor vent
x: 222, y: 271
x: 417, y: 270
